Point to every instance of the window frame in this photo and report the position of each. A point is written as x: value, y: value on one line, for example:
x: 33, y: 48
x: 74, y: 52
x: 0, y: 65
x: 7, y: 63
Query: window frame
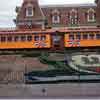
x: 36, y: 36
x: 29, y: 39
x: 84, y: 35
x: 74, y: 19
x: 91, y: 37
x: 9, y: 38
x: 72, y: 36
x: 28, y: 12
x: 16, y: 39
x: 98, y: 38
x: 43, y: 37
x: 78, y: 38
x: 23, y: 38
x: 93, y: 15
x: 57, y: 21
x: 4, y: 38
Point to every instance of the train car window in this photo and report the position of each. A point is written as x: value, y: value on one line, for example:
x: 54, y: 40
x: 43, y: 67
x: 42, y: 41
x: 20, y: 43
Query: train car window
x: 91, y: 36
x: 56, y: 38
x: 23, y: 38
x: 71, y: 36
x: 3, y: 38
x: 43, y: 38
x: 36, y: 38
x: 29, y: 38
x: 9, y: 38
x: 85, y: 36
x: 97, y: 36
x: 16, y: 38
x: 78, y: 36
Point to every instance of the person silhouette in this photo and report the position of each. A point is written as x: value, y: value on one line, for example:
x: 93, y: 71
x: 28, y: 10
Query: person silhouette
x: 44, y: 91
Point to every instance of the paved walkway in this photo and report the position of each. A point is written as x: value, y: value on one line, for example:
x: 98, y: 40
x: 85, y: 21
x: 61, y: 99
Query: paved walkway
x: 73, y: 90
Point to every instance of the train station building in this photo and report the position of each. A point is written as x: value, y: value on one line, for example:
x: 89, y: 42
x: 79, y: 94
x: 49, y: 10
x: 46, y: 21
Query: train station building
x: 33, y: 15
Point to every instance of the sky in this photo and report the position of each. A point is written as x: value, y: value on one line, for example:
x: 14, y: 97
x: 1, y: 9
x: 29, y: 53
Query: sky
x: 7, y: 8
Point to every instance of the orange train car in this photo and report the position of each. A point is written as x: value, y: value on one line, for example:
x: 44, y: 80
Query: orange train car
x: 24, y: 40
x: 82, y: 38
x: 52, y: 39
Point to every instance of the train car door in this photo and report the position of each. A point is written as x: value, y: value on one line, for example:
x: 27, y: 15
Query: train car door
x: 57, y: 41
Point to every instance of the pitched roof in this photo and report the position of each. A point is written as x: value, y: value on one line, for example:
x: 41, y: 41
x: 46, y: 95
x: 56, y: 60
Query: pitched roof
x: 51, y: 31
x: 69, y: 5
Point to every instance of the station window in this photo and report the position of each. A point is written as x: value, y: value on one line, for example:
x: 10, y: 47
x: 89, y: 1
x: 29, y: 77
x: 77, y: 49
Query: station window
x: 97, y: 36
x: 3, y: 38
x: 91, y: 36
x: 56, y: 19
x: 9, y: 38
x: 36, y: 38
x: 29, y: 12
x: 29, y: 38
x: 85, y: 36
x: 43, y: 38
x: 78, y: 36
x: 71, y: 36
x: 16, y: 38
x: 23, y: 38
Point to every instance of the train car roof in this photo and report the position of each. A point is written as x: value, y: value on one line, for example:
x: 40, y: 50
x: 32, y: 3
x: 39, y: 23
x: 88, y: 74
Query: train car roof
x: 51, y: 31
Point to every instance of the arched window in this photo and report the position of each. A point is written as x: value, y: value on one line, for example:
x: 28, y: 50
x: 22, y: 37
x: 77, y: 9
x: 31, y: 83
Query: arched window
x: 91, y: 15
x: 55, y: 17
x: 73, y: 17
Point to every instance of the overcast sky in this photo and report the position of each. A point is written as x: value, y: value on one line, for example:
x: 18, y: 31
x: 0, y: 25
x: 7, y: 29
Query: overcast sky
x: 7, y: 8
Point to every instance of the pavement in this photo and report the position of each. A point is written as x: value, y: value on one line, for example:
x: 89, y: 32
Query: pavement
x: 65, y: 90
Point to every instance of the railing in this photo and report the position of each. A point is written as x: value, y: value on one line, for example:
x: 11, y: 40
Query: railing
x: 68, y: 78
x: 13, y: 77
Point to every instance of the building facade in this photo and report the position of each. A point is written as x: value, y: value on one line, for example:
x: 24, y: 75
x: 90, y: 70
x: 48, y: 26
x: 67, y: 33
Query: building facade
x: 98, y: 12
x: 33, y: 15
